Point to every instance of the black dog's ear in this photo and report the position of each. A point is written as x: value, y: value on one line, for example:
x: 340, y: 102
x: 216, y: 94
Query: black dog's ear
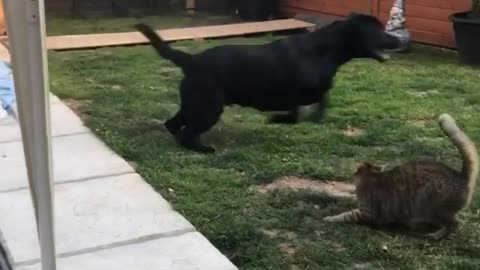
x: 334, y: 23
x: 353, y: 15
x: 365, y: 19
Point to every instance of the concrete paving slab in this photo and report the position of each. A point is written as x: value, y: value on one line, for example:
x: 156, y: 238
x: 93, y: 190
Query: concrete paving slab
x: 9, y: 129
x: 190, y: 251
x: 91, y: 215
x: 115, y: 221
x: 63, y: 122
x: 75, y: 157
x: 54, y: 99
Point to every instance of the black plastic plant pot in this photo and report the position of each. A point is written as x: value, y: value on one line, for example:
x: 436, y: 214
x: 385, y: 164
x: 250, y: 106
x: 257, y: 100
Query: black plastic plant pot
x: 467, y: 35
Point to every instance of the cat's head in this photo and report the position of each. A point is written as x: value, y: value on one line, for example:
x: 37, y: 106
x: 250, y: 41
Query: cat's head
x: 364, y: 170
x: 366, y: 167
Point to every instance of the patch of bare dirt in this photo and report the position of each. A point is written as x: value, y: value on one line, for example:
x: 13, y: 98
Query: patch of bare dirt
x: 288, y: 249
x: 287, y: 246
x: 418, y: 123
x: 337, y: 247
x: 430, y: 139
x: 117, y: 87
x: 280, y: 234
x: 361, y: 265
x: 423, y: 93
x: 75, y: 106
x: 331, y: 188
x: 354, y: 132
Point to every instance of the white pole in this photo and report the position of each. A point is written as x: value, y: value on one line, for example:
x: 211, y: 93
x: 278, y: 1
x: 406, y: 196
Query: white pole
x: 25, y: 21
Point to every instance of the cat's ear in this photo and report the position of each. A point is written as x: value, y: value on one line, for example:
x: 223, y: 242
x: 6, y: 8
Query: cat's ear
x: 358, y: 166
x: 383, y: 167
x: 363, y: 166
x: 368, y: 167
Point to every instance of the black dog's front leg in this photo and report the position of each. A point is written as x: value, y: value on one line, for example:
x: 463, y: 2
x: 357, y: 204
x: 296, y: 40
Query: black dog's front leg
x: 314, y: 113
x: 290, y: 117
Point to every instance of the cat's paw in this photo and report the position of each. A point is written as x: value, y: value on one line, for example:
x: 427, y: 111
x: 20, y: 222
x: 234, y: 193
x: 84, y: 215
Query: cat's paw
x: 438, y: 235
x: 434, y: 236
x: 329, y: 219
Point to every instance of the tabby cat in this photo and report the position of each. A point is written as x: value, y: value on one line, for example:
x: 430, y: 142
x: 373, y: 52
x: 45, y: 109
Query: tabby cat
x: 416, y: 193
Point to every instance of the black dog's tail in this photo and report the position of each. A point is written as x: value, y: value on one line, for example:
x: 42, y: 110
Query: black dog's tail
x: 179, y: 58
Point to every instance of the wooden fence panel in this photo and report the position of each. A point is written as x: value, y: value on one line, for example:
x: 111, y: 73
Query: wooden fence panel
x: 59, y: 7
x: 428, y: 20
x: 329, y: 7
x: 92, y: 7
x: 130, y: 7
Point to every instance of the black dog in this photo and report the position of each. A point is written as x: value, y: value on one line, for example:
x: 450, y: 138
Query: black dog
x: 279, y: 77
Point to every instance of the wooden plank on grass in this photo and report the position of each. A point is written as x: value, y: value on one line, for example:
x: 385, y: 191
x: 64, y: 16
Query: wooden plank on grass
x: 73, y: 42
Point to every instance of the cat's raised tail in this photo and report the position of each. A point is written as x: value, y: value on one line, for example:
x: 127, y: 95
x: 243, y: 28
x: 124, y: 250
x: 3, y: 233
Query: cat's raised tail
x: 466, y: 148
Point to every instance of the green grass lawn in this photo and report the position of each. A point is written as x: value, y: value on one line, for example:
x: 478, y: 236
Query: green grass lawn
x: 124, y: 94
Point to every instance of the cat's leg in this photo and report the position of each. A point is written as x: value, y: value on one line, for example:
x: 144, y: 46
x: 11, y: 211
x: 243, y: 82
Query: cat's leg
x: 437, y: 235
x: 420, y: 222
x: 449, y: 225
x: 353, y: 216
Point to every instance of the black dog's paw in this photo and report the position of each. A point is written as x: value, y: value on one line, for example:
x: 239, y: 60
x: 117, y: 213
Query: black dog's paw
x: 204, y: 149
x: 142, y: 27
x: 172, y: 127
x: 312, y: 114
x: 197, y: 146
x: 314, y: 118
x: 207, y: 150
x: 282, y: 119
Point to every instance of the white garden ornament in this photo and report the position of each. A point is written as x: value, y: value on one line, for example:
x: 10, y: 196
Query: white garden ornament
x: 396, y: 24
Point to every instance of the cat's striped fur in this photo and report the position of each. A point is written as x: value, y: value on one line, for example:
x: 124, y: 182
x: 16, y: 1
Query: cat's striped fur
x: 417, y: 192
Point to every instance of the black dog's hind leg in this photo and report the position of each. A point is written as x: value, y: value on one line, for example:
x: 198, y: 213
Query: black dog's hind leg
x: 197, y: 124
x: 322, y: 105
x: 290, y: 117
x: 190, y: 139
x: 315, y: 114
x: 200, y: 111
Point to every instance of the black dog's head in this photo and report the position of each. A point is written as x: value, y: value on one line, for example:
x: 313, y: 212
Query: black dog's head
x: 364, y: 36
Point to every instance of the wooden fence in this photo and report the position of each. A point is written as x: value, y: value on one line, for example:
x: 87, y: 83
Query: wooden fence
x: 128, y: 7
x: 428, y: 20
